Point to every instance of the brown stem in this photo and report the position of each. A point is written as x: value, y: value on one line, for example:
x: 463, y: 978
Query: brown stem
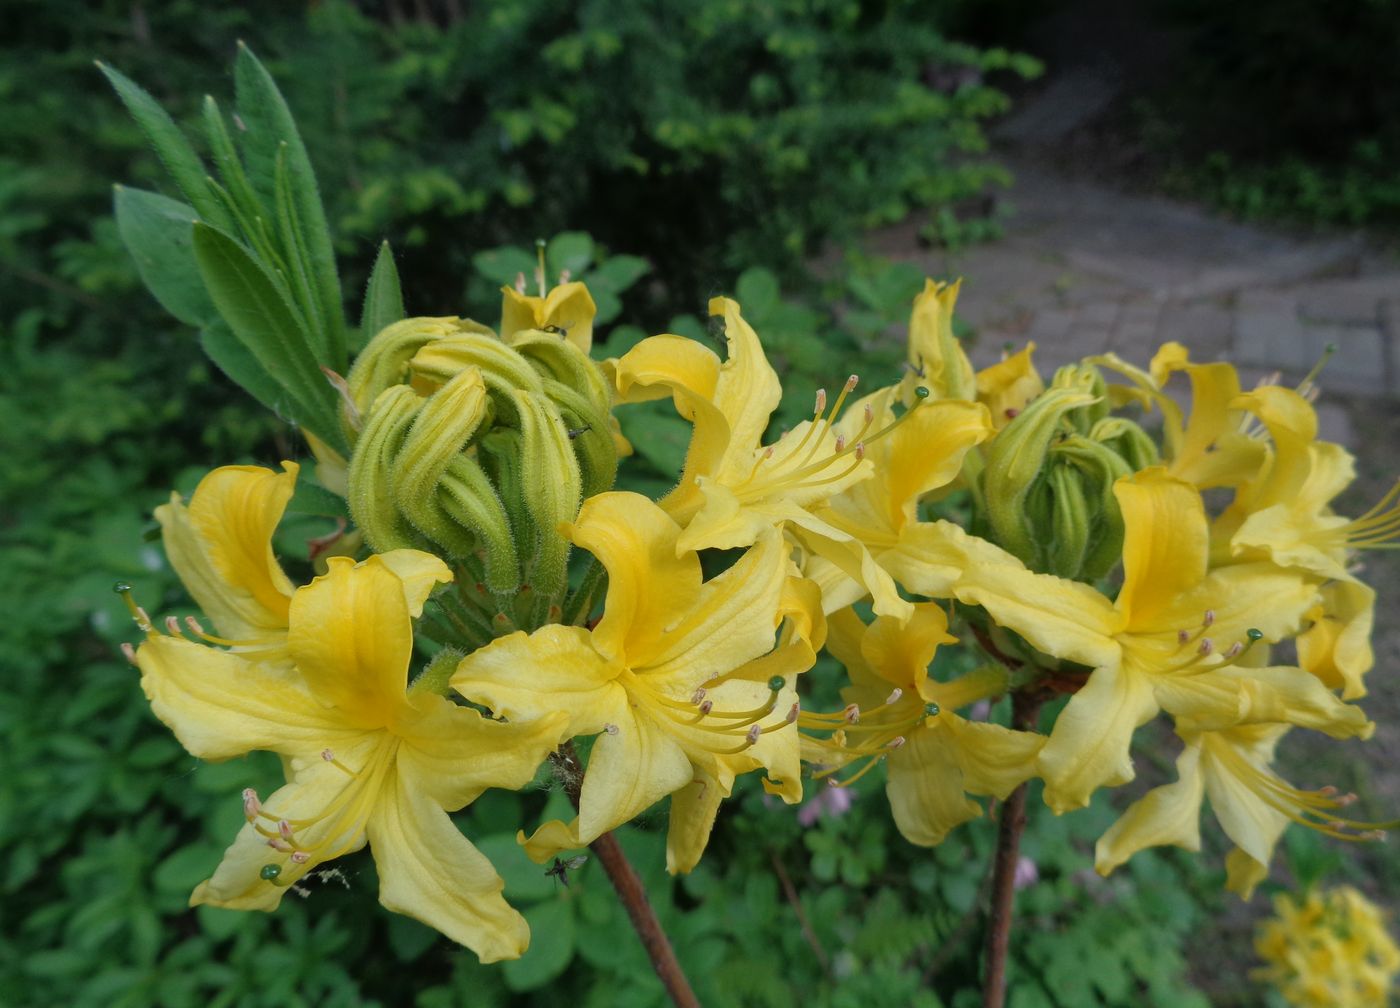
x: 1010, y: 825
x: 790, y: 891
x: 630, y: 891
x: 634, y: 897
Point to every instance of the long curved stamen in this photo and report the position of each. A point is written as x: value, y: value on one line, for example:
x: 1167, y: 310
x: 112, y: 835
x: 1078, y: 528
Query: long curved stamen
x: 138, y: 615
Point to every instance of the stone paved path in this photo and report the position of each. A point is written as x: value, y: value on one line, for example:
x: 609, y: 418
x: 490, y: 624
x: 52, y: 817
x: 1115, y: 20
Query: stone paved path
x: 1083, y: 269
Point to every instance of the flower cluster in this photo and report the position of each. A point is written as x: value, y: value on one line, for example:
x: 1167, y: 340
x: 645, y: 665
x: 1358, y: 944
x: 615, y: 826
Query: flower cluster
x: 1329, y: 949
x: 1053, y: 528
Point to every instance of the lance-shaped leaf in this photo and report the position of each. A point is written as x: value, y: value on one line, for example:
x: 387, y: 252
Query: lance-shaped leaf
x: 156, y: 232
x: 383, y: 297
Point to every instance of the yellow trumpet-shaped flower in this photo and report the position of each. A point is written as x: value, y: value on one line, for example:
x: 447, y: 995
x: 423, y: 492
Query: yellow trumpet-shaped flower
x: 936, y: 358
x: 1006, y: 386
x: 1252, y: 804
x: 567, y: 309
x: 878, y: 516
x: 679, y: 680
x: 733, y: 487
x: 1328, y: 949
x: 896, y: 712
x: 370, y: 758
x: 220, y: 545
x: 1169, y: 640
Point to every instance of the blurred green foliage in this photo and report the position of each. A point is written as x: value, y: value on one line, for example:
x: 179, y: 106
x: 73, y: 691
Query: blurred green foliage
x: 457, y: 135
x: 1283, y: 109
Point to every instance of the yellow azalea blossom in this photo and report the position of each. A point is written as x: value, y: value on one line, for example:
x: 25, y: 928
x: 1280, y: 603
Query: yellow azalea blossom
x: 220, y: 545
x: 899, y: 714
x: 936, y: 358
x: 1209, y: 445
x: 567, y: 309
x: 1166, y: 642
x: 733, y: 487
x: 371, y: 759
x: 1253, y: 805
x: 1328, y: 949
x: 879, y: 516
x: 1337, y: 646
x: 679, y: 680
x: 1006, y: 386
x: 1285, y: 514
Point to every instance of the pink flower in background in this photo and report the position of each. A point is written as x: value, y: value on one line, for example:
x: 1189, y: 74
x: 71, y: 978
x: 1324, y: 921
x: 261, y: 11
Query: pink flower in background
x: 1027, y: 874
x: 829, y: 801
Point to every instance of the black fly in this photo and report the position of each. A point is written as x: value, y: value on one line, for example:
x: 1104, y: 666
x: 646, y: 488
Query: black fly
x: 560, y: 869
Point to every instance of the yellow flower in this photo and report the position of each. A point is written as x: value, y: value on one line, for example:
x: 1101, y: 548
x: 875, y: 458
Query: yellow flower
x: 370, y: 759
x: 679, y: 680
x: 883, y: 536
x: 733, y: 487
x: 1251, y: 802
x: 936, y: 358
x: 1328, y: 949
x: 221, y: 547
x: 567, y: 309
x: 1005, y: 387
x: 1168, y: 641
x: 899, y: 714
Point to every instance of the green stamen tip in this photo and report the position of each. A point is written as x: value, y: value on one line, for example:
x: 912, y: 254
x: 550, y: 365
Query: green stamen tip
x: 776, y: 683
x: 121, y: 587
x: 1254, y: 635
x: 268, y: 872
x: 932, y: 710
x: 921, y: 392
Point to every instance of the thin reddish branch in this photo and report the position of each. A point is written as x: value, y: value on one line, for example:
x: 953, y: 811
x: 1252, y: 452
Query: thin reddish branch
x: 1010, y: 825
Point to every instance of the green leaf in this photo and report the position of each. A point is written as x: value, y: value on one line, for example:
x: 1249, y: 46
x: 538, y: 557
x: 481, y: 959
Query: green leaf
x: 503, y: 265
x: 299, y: 265
x: 383, y: 304
x: 660, y: 437
x: 269, y: 125
x: 234, y: 359
x: 249, y: 301
x: 311, y: 498
x: 170, y: 145
x: 619, y: 272
x: 551, y: 947
x: 156, y: 232
x: 572, y: 251
x: 525, y: 880
x: 756, y: 292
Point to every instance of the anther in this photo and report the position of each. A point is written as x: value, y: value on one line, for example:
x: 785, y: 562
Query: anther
x: 792, y: 714
x: 698, y: 697
x: 869, y: 416
x: 279, y: 845
x: 1011, y: 412
x: 564, y: 276
x: 300, y: 857
x: 706, y: 706
x: 284, y: 829
x: 251, y: 805
x: 852, y: 382
x: 1209, y: 618
x: 895, y: 742
x: 894, y: 696
x: 520, y: 283
x: 751, y: 736
x: 1182, y: 636
x: 840, y: 443
x: 860, y: 450
x: 612, y: 729
x: 851, y: 715
x: 820, y: 406
x: 776, y: 683
x: 269, y: 872
x: 1205, y: 647
x: 328, y: 755
x: 195, y: 626
x: 129, y: 651
x: 1236, y: 649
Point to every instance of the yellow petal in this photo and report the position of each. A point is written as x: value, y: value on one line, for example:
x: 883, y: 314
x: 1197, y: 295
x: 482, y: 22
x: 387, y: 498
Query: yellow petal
x: 570, y: 307
x: 902, y: 652
x: 221, y: 546
x: 994, y: 760
x: 429, y: 871
x: 629, y: 769
x: 925, y: 788
x: 924, y: 453
x: 693, y: 810
x: 649, y: 585
x: 1337, y: 647
x: 525, y: 677
x: 1243, y: 873
x: 1166, y: 815
x: 332, y: 468
x: 351, y: 639
x: 748, y: 390
x: 1165, y: 542
x: 1253, y: 823
x: 454, y: 754
x: 420, y: 573
x: 1005, y: 387
x: 936, y: 358
x: 550, y: 840
x: 1088, y: 747
x: 220, y: 705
